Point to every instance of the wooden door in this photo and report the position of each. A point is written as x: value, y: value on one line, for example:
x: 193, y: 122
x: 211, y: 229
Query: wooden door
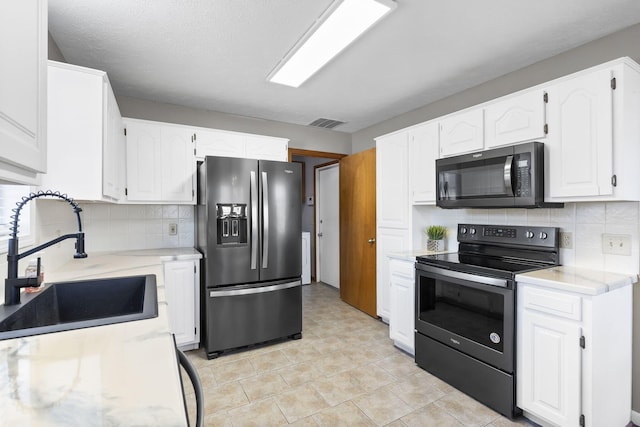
x: 358, y: 230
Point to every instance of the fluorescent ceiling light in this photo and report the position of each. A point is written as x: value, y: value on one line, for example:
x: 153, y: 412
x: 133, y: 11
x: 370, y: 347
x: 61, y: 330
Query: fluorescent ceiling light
x: 342, y: 23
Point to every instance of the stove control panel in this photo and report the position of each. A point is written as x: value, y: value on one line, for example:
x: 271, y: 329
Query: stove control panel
x: 509, y: 234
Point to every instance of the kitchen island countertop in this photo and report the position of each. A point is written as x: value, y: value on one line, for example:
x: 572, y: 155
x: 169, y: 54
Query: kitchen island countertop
x: 120, y: 374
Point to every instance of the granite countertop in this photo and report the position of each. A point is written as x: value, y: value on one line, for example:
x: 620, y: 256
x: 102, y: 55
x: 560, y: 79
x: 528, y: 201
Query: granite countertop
x: 120, y: 374
x: 578, y: 280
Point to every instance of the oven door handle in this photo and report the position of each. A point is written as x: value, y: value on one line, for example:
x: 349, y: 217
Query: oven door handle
x: 502, y: 283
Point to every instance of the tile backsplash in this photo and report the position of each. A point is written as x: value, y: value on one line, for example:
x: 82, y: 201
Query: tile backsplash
x: 586, y: 221
x: 110, y: 227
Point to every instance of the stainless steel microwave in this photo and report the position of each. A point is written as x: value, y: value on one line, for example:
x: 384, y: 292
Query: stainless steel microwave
x: 508, y: 177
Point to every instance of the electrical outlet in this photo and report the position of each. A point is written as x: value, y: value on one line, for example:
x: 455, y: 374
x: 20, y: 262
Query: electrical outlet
x: 173, y: 229
x: 566, y: 240
x: 616, y: 244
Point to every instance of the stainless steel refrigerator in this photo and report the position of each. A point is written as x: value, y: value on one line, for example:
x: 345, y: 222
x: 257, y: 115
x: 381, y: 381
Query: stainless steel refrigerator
x: 248, y: 224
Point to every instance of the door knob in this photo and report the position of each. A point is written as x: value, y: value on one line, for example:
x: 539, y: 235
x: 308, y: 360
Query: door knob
x: 372, y: 240
x: 319, y: 234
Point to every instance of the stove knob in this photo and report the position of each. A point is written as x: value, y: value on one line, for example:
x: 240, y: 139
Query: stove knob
x: 463, y: 230
x: 472, y: 231
x: 529, y: 234
x: 543, y: 235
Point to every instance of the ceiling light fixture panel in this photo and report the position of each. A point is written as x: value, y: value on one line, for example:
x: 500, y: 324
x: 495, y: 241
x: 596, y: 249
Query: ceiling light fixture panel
x: 339, y: 26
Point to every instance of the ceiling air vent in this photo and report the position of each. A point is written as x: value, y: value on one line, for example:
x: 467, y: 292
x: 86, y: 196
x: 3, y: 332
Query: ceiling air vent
x: 326, y: 123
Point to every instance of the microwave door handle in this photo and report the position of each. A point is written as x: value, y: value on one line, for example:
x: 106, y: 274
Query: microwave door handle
x: 508, y: 168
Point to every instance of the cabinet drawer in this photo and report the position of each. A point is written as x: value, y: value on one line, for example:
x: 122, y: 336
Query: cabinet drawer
x: 402, y: 268
x: 551, y: 302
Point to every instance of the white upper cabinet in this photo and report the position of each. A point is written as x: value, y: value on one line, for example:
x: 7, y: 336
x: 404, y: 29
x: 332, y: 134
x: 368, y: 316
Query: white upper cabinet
x: 515, y: 119
x: 212, y: 142
x: 462, y: 133
x: 23, y: 90
x: 86, y: 135
x: 392, y: 178
x: 160, y: 162
x: 423, y: 152
x: 581, y: 135
x: 266, y: 148
x: 592, y: 144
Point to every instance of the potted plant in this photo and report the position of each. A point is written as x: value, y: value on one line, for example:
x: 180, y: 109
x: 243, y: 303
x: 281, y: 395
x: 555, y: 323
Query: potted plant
x: 435, y: 237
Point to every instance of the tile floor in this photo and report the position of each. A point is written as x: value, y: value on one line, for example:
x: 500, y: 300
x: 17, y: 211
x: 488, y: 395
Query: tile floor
x: 344, y: 371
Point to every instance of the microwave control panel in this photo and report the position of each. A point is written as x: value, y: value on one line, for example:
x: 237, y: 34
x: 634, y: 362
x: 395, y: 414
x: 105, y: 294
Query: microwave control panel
x: 522, y: 163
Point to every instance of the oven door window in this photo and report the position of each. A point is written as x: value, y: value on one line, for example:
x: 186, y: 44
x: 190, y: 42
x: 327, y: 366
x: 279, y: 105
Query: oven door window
x: 472, y: 313
x: 478, y: 179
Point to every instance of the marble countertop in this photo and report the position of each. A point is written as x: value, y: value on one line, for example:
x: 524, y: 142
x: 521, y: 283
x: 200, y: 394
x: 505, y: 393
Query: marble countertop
x: 120, y: 374
x: 413, y: 253
x: 578, y: 280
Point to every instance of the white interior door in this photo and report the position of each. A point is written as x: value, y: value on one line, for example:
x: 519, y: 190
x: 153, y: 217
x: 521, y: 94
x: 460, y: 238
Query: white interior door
x: 328, y: 225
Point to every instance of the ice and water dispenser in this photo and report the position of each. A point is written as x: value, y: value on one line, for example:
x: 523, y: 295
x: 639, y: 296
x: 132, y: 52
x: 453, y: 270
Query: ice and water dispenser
x: 232, y: 223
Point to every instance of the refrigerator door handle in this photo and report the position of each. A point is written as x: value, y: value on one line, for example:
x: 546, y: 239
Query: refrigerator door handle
x: 254, y: 290
x: 254, y: 220
x: 265, y: 221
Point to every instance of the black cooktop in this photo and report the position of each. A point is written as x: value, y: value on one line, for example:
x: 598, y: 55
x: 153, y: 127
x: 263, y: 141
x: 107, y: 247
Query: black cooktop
x: 499, y: 251
x: 481, y: 264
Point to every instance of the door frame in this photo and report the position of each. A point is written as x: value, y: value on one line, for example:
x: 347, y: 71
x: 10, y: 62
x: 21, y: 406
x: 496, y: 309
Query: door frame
x: 321, y: 154
x: 315, y: 212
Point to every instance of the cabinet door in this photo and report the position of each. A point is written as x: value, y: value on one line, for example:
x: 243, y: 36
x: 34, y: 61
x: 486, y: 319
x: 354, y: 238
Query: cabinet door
x: 113, y: 148
x: 387, y: 240
x: 423, y: 152
x: 462, y: 133
x: 580, y: 139
x: 75, y: 131
x: 549, y: 365
x: 181, y: 290
x: 515, y: 119
x: 392, y: 192
x: 266, y: 148
x: 218, y: 143
x: 143, y: 162
x: 23, y: 90
x: 178, y: 166
x: 401, y: 304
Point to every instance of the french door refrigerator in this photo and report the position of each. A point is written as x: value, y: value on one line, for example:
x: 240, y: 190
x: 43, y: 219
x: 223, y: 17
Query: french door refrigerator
x: 248, y: 228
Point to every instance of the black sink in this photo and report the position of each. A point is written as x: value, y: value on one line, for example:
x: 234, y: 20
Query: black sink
x: 64, y: 306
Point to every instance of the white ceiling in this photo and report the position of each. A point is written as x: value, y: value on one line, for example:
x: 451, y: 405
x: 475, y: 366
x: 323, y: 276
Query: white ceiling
x: 216, y: 54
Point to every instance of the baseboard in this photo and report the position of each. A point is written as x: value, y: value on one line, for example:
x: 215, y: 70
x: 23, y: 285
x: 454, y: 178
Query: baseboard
x: 635, y: 418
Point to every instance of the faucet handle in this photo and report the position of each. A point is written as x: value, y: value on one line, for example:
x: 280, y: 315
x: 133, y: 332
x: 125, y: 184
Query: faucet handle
x: 38, y: 275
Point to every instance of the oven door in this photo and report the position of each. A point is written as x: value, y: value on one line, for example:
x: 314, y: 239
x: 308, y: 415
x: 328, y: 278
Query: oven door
x: 470, y: 313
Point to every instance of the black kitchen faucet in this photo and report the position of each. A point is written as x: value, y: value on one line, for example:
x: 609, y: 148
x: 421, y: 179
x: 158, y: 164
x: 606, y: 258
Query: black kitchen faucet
x: 13, y: 283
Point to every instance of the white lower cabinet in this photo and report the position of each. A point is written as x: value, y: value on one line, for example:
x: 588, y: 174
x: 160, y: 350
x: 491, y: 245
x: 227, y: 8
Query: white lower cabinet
x: 181, y: 281
x: 573, y: 366
x: 387, y: 240
x: 402, y: 304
